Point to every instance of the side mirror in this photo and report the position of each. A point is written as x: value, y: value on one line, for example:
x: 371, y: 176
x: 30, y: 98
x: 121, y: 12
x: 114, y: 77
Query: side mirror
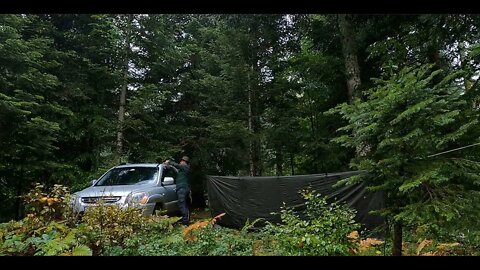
x: 168, y: 181
x: 93, y: 181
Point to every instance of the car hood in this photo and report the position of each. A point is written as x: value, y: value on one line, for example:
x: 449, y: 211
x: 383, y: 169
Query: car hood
x: 124, y: 190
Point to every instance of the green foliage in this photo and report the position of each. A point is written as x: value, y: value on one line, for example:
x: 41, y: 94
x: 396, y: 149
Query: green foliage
x: 323, y: 231
x: 53, y: 239
x: 213, y: 241
x: 110, y: 228
x: 81, y: 250
x: 28, y: 107
x: 167, y: 242
x: 48, y: 229
x: 208, y: 241
x: 49, y: 204
x: 405, y: 119
x: 111, y: 224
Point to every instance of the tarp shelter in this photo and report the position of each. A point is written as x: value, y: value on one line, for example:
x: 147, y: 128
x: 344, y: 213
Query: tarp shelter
x: 250, y: 198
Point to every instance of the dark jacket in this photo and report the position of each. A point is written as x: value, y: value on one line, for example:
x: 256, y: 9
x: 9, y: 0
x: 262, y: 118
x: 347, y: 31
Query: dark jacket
x: 183, y: 174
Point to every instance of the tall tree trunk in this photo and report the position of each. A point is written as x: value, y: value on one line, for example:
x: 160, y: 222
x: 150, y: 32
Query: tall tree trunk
x: 312, y: 126
x: 123, y: 93
x: 314, y: 166
x: 352, y: 69
x: 253, y: 127
x: 462, y: 51
x: 291, y: 163
x: 397, y: 239
x: 278, y: 162
x: 18, y: 199
x: 433, y: 57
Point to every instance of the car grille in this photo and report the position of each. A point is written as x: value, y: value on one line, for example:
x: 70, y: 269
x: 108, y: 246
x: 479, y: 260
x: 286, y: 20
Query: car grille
x: 105, y: 199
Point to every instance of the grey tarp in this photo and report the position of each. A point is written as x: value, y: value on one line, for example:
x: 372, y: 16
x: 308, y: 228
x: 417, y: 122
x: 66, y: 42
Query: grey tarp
x: 250, y: 198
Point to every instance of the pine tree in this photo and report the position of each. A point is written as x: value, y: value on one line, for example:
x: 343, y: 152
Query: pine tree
x: 28, y: 130
x: 405, y: 119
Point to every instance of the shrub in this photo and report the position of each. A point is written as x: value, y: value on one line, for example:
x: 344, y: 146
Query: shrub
x: 107, y: 225
x: 47, y: 205
x: 199, y: 239
x: 46, y: 229
x: 158, y: 236
x: 324, y: 231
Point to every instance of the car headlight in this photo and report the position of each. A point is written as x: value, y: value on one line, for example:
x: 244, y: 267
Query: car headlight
x: 137, y: 198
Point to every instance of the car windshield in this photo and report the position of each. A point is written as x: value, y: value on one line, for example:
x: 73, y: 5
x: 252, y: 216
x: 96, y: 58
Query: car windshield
x: 129, y: 176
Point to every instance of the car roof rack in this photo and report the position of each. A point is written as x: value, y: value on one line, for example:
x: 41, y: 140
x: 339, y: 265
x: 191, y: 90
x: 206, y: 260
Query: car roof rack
x: 124, y: 163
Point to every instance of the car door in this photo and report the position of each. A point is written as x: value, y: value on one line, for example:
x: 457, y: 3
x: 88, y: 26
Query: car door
x: 170, y: 197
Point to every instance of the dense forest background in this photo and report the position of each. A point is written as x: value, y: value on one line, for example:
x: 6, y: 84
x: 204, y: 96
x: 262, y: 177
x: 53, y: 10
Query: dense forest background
x: 241, y: 95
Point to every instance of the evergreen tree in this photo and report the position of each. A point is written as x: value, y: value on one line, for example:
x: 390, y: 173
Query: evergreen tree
x: 406, y: 119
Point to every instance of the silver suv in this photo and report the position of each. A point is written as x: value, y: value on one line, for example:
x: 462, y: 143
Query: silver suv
x: 142, y: 185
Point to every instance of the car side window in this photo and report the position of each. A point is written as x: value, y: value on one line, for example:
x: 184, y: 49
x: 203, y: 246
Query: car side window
x: 169, y: 172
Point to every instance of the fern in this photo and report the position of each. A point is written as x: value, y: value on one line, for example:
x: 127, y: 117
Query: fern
x: 81, y: 250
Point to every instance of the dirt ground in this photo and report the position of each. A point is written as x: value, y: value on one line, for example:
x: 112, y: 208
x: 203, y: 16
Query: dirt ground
x: 200, y: 214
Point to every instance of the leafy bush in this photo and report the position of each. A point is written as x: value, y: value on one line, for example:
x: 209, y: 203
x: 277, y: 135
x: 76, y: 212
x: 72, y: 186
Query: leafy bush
x: 163, y: 243
x: 107, y: 225
x: 202, y: 238
x: 46, y: 230
x: 463, y: 239
x: 158, y: 236
x: 47, y: 205
x: 218, y: 241
x: 324, y: 231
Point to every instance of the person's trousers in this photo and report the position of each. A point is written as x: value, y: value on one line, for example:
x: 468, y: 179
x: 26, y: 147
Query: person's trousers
x: 182, y: 194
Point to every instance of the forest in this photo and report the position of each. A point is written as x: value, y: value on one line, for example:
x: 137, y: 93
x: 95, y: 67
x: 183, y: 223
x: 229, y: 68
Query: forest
x: 249, y: 94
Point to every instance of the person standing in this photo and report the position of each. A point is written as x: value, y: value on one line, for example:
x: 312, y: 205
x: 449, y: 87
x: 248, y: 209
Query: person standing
x: 183, y: 186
